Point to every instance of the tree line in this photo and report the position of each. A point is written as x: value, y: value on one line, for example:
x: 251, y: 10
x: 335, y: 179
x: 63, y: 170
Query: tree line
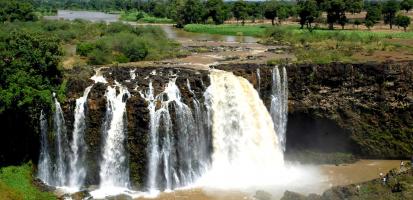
x: 307, y: 12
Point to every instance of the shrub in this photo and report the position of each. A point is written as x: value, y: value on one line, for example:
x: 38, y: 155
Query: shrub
x: 136, y: 50
x: 99, y: 57
x: 85, y: 48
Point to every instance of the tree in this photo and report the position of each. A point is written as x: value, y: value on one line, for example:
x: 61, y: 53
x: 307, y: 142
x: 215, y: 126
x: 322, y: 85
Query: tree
x: 270, y: 10
x: 190, y: 12
x: 254, y: 11
x: 215, y: 10
x: 357, y: 23
x: 406, y: 5
x: 240, y: 11
x: 373, y: 16
x: 12, y: 10
x: 28, y: 70
x: 403, y: 21
x: 336, y: 12
x: 282, y: 12
x: 389, y: 11
x: 308, y: 12
x: 354, y: 6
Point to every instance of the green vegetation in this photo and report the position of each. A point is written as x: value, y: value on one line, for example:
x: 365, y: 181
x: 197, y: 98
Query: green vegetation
x: 28, y: 69
x: 100, y: 43
x: 324, y: 46
x: 403, y: 21
x: 16, y: 10
x: 142, y: 17
x: 227, y: 29
x: 16, y: 183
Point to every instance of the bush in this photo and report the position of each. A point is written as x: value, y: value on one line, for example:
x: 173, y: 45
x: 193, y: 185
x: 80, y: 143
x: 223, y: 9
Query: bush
x: 85, y: 48
x: 136, y: 50
x: 99, y: 57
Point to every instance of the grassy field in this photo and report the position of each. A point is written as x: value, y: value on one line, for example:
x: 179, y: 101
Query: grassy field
x: 324, y: 46
x: 228, y: 29
x: 16, y: 184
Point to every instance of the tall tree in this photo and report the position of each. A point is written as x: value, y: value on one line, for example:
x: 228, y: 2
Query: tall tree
x: 282, y: 12
x: 336, y: 12
x: 12, y: 10
x: 215, y: 10
x: 270, y: 10
x: 307, y: 11
x: 240, y: 11
x: 403, y: 21
x: 406, y: 5
x: 254, y: 11
x: 190, y: 12
x: 389, y: 11
x: 354, y: 6
x: 373, y: 16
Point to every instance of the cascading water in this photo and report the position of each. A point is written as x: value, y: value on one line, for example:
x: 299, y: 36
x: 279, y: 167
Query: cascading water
x: 176, y: 145
x: 259, y: 80
x: 279, y: 104
x: 77, y: 170
x: 45, y: 170
x: 246, y: 148
x: 114, y: 170
x: 60, y: 176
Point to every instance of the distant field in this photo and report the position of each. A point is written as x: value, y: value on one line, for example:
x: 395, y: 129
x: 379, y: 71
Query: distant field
x: 259, y: 30
x: 228, y: 29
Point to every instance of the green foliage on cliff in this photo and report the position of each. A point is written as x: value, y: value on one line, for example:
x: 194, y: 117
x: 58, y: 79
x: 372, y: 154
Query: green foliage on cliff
x: 16, y: 182
x: 28, y: 69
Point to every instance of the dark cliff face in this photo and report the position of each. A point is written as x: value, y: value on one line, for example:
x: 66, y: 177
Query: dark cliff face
x: 137, y: 113
x: 366, y: 109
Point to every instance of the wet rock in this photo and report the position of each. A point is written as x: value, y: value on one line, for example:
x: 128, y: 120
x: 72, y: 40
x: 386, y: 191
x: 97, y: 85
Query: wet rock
x: 288, y: 195
x: 262, y: 195
x: 82, y: 195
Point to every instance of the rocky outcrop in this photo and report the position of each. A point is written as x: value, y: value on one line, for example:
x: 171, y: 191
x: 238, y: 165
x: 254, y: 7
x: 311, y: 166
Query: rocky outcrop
x: 137, y: 113
x: 366, y: 109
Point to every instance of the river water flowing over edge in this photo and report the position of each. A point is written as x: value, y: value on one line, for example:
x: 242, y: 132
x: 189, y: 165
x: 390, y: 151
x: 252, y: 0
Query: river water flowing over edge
x: 246, y: 155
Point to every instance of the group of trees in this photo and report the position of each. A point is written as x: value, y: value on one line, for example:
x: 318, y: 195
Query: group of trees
x: 12, y: 10
x: 217, y: 11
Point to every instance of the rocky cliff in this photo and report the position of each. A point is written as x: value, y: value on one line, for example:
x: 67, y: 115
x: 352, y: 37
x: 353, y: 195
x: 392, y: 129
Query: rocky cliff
x: 365, y: 109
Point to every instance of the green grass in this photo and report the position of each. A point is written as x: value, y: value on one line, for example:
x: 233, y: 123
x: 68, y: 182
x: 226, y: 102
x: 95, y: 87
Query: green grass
x: 16, y: 184
x: 228, y: 29
x: 325, y: 46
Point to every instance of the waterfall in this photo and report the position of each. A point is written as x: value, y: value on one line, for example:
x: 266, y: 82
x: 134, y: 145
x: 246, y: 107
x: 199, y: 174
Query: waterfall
x: 176, y: 142
x: 246, y: 148
x: 77, y: 171
x: 279, y: 104
x: 61, y: 146
x: 114, y: 170
x: 259, y: 80
x: 44, y: 168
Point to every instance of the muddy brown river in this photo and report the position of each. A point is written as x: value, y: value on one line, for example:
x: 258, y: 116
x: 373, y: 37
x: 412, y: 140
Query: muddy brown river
x: 361, y: 171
